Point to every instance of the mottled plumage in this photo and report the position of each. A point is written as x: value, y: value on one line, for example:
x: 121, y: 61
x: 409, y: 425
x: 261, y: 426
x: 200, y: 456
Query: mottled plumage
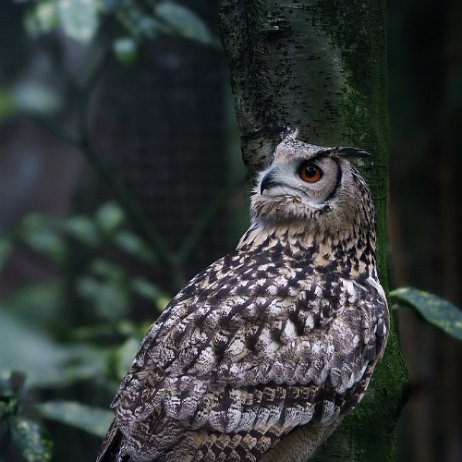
x: 271, y: 345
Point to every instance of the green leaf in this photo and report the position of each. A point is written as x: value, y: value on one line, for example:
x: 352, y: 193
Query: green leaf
x: 79, y: 18
x: 46, y: 363
x: 85, y: 363
x: 433, y: 309
x: 41, y: 19
x: 107, y: 270
x: 133, y: 17
x: 126, y: 328
x: 35, y: 97
x: 37, y: 220
x: 11, y: 386
x: 5, y: 251
x: 38, y: 303
x: 126, y: 51
x: 8, y: 407
x: 111, y: 5
x: 150, y: 291
x: 41, y: 233
x: 90, y: 419
x: 32, y: 439
x: 83, y: 229
x: 109, y: 216
x: 47, y: 242
x: 133, y: 245
x: 148, y: 27
x: 110, y: 300
x: 146, y: 289
x: 25, y: 347
x: 8, y: 107
x: 184, y: 22
x: 9, y: 391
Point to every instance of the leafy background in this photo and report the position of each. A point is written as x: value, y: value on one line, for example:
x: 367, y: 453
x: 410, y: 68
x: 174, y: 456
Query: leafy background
x: 121, y: 177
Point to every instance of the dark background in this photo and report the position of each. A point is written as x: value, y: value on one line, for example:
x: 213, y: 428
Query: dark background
x: 166, y: 126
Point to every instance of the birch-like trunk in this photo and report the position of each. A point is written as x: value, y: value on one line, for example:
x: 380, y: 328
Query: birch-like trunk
x: 320, y: 66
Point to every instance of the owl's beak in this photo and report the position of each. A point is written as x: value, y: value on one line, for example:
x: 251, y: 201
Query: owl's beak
x: 268, y: 182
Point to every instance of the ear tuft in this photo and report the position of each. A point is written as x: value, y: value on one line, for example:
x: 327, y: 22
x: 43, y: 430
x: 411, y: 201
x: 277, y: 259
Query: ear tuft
x: 348, y: 152
x: 290, y: 132
x: 281, y: 132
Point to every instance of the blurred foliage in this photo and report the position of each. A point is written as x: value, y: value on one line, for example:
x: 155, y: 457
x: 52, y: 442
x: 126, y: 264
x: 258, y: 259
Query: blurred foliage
x: 90, y: 419
x: 118, y: 25
x: 99, y: 29
x: 436, y: 311
x: 100, y: 346
x: 101, y: 247
x: 29, y: 97
x: 80, y: 20
x: 32, y: 439
x: 70, y: 329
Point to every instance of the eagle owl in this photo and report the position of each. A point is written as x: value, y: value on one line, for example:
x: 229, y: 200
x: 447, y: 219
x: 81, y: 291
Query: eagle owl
x: 260, y: 356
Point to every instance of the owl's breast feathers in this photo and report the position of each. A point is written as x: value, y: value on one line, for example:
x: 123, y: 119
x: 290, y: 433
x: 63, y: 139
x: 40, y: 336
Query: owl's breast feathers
x: 264, y: 340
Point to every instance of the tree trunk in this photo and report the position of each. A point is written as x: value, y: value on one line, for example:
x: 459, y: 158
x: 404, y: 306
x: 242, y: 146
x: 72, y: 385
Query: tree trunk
x: 320, y: 66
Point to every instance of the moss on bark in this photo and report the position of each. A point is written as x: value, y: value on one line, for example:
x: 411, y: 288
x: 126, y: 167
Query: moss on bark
x: 320, y: 66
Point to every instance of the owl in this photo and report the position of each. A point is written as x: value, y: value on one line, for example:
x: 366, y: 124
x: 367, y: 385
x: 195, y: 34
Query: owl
x: 262, y: 353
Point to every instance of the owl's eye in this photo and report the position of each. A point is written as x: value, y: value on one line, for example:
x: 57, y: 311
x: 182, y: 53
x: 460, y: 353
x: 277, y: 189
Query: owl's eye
x: 310, y: 172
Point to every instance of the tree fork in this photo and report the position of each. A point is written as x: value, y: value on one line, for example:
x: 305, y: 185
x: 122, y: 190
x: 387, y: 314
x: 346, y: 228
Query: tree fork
x: 320, y: 66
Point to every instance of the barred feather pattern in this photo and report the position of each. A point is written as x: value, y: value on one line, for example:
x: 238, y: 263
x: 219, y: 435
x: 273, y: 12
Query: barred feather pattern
x: 281, y: 334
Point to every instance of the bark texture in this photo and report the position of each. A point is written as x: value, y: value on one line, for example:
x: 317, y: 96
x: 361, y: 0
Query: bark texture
x: 320, y: 66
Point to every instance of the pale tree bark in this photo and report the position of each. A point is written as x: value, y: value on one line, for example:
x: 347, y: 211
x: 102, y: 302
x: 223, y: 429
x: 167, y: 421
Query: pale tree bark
x: 320, y: 66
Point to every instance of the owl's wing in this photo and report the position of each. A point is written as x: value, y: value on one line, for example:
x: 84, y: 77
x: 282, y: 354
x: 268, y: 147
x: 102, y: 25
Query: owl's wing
x: 239, y: 364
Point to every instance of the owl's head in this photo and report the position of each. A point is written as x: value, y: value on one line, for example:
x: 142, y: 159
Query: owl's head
x: 315, y: 187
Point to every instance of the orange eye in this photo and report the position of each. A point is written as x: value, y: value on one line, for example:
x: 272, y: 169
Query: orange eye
x: 310, y: 172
